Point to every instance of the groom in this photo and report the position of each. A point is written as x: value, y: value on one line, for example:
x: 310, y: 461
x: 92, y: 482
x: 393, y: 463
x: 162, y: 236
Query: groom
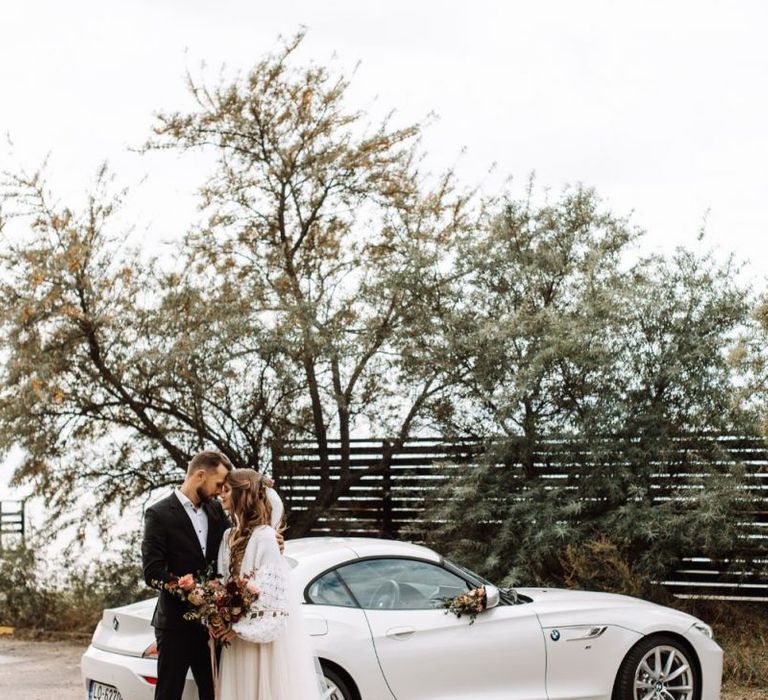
x: 182, y: 534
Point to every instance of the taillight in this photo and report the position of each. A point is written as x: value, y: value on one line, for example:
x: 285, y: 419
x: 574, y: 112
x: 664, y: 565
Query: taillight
x: 150, y: 680
x: 150, y: 653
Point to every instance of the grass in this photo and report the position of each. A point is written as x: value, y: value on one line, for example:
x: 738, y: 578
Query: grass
x: 741, y: 629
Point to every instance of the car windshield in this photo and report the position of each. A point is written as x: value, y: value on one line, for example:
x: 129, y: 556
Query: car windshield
x: 476, y: 578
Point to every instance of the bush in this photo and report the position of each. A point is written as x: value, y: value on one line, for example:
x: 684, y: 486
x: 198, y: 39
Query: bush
x: 599, y: 565
x: 64, y: 596
x: 590, y: 518
x: 26, y: 601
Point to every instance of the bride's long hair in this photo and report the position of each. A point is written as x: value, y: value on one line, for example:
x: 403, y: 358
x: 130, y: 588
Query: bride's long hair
x: 250, y: 508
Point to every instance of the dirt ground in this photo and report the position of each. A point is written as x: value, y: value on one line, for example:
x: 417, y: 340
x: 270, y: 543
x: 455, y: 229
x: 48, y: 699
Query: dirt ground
x: 32, y: 670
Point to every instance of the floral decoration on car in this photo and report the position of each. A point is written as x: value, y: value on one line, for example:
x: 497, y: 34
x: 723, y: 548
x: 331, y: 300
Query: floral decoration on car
x: 471, y: 603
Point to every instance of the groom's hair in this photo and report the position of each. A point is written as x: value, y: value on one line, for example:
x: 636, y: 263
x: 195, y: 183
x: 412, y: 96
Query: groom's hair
x: 208, y: 460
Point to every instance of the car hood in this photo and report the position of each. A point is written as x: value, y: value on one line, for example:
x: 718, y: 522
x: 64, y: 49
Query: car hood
x: 557, y: 607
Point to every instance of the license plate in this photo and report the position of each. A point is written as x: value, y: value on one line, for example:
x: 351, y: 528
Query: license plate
x: 100, y: 691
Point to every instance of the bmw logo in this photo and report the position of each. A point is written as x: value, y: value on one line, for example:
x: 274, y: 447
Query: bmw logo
x: 115, y: 624
x: 555, y: 634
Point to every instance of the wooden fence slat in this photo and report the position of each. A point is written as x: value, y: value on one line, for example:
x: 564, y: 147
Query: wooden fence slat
x: 384, y: 503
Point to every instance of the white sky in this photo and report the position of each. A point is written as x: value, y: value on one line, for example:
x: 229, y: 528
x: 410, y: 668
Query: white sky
x: 660, y: 105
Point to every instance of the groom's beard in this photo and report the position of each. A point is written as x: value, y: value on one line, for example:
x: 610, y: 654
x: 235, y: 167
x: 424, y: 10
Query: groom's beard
x: 202, y: 496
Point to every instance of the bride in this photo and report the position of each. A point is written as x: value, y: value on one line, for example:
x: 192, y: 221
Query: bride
x: 268, y: 657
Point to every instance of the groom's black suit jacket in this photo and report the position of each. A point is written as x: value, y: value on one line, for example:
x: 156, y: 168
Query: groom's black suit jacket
x: 170, y: 548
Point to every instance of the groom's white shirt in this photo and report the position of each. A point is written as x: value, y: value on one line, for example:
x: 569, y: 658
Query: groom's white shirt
x: 197, y: 517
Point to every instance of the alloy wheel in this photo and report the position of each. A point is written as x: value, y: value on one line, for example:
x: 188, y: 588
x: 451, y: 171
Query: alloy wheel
x: 664, y: 673
x: 333, y: 690
x: 337, y: 686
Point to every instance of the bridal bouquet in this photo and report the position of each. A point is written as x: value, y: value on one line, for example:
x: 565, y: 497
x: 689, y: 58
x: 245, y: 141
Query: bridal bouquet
x: 218, y: 604
x: 470, y: 603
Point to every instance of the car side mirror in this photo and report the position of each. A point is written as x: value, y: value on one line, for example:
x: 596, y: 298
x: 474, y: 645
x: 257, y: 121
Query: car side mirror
x: 492, y: 596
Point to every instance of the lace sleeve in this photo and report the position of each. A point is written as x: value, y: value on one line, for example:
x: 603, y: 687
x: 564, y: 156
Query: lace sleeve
x: 269, y: 615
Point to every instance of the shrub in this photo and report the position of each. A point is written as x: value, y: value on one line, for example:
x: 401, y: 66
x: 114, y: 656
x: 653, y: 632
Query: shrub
x: 599, y: 564
x: 26, y: 600
x: 65, y: 596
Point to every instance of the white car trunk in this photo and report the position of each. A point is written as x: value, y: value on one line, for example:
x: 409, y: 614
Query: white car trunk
x: 126, y: 630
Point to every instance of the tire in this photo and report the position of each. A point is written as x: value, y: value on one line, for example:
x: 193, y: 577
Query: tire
x: 662, y: 666
x: 339, y: 685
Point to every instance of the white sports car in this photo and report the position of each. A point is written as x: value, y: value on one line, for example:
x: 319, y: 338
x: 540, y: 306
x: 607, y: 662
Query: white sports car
x: 370, y: 606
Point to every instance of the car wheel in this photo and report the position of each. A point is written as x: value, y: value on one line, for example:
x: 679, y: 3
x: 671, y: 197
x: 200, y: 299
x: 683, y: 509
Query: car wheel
x: 658, y: 668
x: 338, y: 687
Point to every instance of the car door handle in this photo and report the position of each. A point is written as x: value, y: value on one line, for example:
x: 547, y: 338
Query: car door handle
x: 400, y: 632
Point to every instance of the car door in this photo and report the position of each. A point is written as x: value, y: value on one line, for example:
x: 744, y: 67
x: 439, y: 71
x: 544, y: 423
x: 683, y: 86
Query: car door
x: 426, y: 654
x: 340, y: 634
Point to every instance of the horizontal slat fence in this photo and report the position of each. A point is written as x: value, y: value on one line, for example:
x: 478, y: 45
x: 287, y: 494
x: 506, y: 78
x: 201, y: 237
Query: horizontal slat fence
x: 11, y: 522
x: 395, y: 499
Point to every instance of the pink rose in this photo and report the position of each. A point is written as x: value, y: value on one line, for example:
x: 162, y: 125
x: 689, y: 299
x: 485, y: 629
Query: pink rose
x: 187, y: 582
x: 251, y: 587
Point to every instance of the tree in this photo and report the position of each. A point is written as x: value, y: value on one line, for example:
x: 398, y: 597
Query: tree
x: 286, y: 314
x: 589, y: 371
x: 333, y: 287
x: 336, y: 239
x: 533, y: 346
x: 676, y: 491
x: 750, y: 359
x: 115, y: 372
x: 528, y: 344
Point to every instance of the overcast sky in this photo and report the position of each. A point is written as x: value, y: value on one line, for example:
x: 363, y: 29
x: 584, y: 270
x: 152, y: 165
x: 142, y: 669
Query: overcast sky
x: 661, y: 106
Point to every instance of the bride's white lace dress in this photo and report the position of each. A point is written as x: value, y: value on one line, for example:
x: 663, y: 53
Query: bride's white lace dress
x: 271, y: 657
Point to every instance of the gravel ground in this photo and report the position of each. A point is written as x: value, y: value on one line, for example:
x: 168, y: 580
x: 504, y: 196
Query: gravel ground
x: 31, y: 670
x: 40, y: 670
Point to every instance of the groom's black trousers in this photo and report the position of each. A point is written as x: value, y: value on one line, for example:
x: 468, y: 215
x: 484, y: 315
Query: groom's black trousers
x: 178, y: 651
